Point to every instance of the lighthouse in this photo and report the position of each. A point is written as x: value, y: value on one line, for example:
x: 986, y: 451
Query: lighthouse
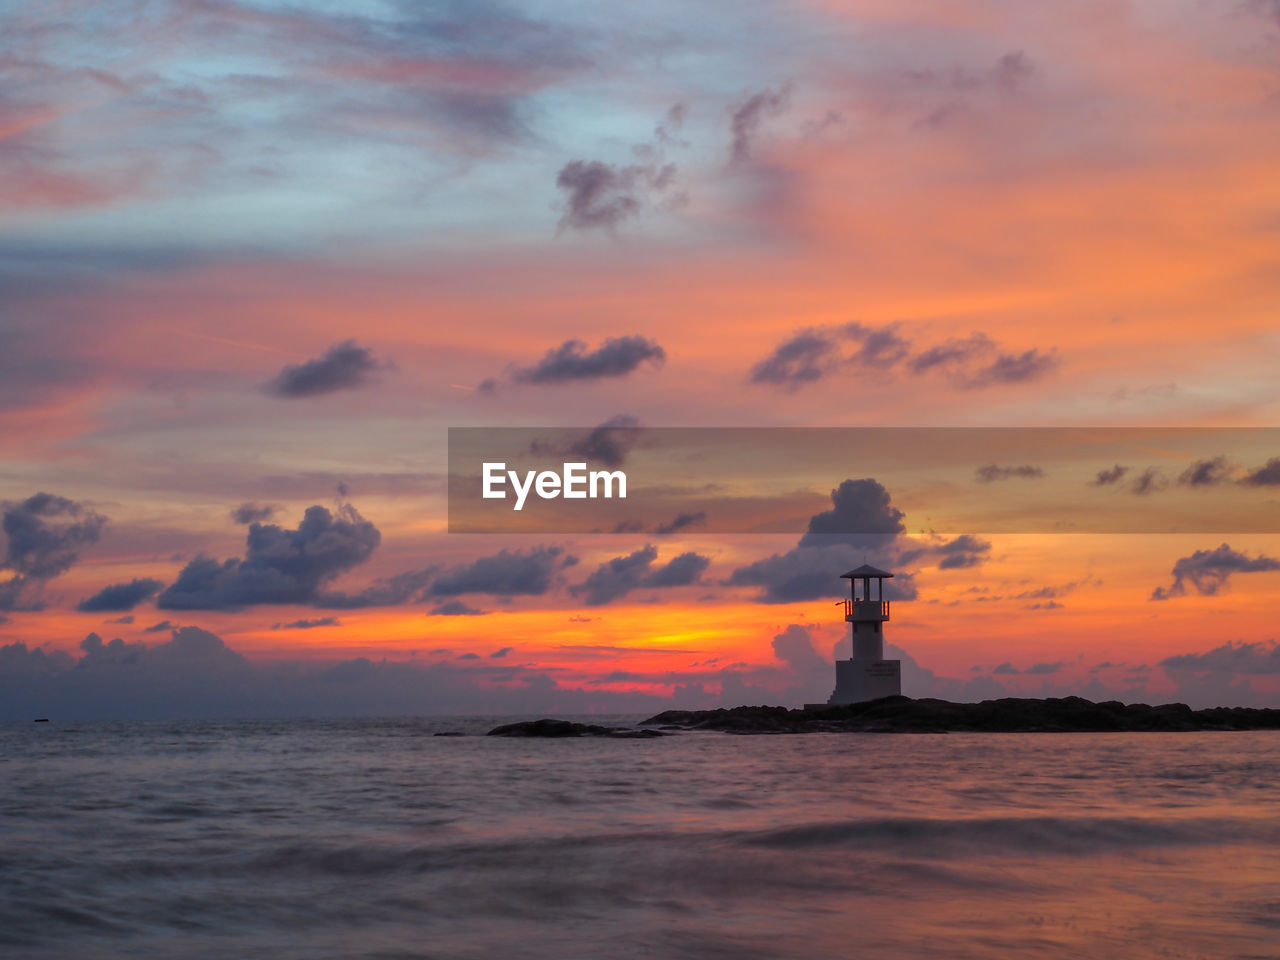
x: 867, y: 675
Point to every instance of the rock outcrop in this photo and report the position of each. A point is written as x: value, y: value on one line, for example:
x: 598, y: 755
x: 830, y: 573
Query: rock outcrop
x: 1007, y: 715
x: 567, y: 728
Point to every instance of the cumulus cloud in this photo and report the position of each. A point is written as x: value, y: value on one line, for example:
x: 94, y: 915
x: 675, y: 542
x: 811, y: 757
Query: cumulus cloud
x: 878, y: 347
x: 1267, y: 475
x: 572, y: 362
x: 958, y: 553
x: 971, y: 362
x: 606, y: 445
x: 1206, y: 473
x: 1252, y: 659
x: 248, y: 513
x: 44, y: 536
x: 343, y: 366
x: 794, y: 646
x: 682, y: 521
x: 1110, y: 476
x: 120, y: 596
x: 506, y: 573
x: 991, y: 473
x: 859, y: 509
x: 1045, y: 668
x: 619, y: 576
x: 863, y: 523
x: 957, y: 351
x: 1150, y: 481
x: 279, y: 566
x: 805, y: 358
x: 1013, y: 368
x: 812, y: 354
x: 401, y: 588
x: 1209, y: 571
x: 455, y: 608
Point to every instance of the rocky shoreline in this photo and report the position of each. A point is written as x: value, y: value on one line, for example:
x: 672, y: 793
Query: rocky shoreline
x: 1007, y: 715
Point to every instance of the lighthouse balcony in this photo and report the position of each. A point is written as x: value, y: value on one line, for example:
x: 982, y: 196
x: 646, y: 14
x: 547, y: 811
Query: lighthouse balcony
x: 864, y: 610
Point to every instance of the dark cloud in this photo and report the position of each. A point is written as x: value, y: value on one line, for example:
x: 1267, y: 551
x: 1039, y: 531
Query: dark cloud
x: 571, y: 361
x: 1006, y: 668
x: 812, y: 571
x: 500, y: 652
x: 343, y: 366
x: 455, y: 608
x: 1013, y: 368
x: 1206, y: 473
x: 1045, y: 605
x: 962, y: 551
x: 164, y: 626
x: 120, y: 596
x: 44, y: 536
x: 507, y: 573
x: 859, y: 508
x: 1044, y: 668
x: 1149, y: 481
x: 599, y: 195
x: 386, y: 592
x: 308, y: 624
x: 279, y: 566
x: 609, y: 443
x: 1209, y: 571
x: 958, y: 553
x: 880, y: 347
x: 127, y: 618
x: 468, y: 656
x: 991, y: 473
x: 1113, y: 475
x: 1254, y: 659
x: 794, y: 646
x: 813, y: 354
x: 746, y: 117
x: 862, y: 526
x: 606, y: 445
x: 682, y: 521
x: 950, y: 353
x: 805, y: 358
x: 1264, y: 476
x: 253, y: 513
x: 679, y: 571
x: 621, y: 575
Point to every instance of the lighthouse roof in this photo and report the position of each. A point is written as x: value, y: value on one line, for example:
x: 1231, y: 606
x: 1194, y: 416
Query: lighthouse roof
x: 866, y: 570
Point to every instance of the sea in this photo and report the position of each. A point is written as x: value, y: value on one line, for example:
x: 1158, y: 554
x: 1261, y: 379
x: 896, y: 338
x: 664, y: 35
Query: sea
x: 379, y: 839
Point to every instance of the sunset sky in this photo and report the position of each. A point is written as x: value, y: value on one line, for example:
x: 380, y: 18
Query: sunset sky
x: 257, y: 258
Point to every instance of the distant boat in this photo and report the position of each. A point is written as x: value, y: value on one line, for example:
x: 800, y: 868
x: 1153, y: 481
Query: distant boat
x: 40, y: 720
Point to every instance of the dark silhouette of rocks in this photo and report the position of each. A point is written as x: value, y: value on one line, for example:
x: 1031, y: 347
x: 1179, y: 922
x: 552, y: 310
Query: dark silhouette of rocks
x: 1007, y: 715
x: 567, y: 728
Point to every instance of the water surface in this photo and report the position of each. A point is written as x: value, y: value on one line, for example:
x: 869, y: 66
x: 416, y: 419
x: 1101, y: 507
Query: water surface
x: 374, y: 838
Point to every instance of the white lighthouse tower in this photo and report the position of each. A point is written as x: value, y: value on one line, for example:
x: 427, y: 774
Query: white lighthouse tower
x: 867, y: 675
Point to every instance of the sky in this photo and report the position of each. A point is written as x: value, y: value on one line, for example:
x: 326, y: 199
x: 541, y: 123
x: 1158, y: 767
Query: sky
x: 256, y: 260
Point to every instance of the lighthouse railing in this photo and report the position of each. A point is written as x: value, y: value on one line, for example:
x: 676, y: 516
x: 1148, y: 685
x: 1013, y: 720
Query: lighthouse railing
x: 866, y: 609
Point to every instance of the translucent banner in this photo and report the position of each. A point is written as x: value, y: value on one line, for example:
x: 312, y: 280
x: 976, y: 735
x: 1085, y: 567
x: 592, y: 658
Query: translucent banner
x: 863, y: 480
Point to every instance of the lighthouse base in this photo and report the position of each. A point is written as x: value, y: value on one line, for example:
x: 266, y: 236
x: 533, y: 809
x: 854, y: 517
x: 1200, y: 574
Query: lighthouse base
x: 859, y: 680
